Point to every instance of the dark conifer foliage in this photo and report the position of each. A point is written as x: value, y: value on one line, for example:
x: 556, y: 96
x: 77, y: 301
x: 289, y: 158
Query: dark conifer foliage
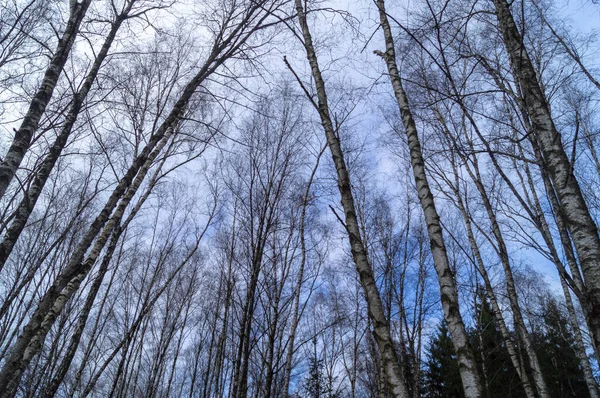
x: 299, y: 199
x: 500, y: 377
x: 442, y: 376
x: 555, y: 342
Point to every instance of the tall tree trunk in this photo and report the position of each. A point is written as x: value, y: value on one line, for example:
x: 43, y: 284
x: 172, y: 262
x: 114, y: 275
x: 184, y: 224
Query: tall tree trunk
x: 491, y: 295
x: 52, y: 388
x: 299, y: 282
x: 23, y: 136
x: 240, y: 384
x: 579, y: 348
x: 510, y: 283
x: 66, y: 284
x: 573, y: 207
x: 33, y: 334
x: 229, y: 283
x: 544, y: 229
x: 469, y: 373
x: 381, y: 327
x: 33, y: 193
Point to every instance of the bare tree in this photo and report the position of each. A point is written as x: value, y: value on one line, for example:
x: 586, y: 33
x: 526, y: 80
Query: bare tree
x: 449, y: 293
x: 572, y: 205
x: 381, y: 328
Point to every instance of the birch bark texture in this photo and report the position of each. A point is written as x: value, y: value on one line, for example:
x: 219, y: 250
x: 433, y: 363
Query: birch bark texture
x: 32, y: 194
x: 572, y: 205
x: 381, y: 327
x: 23, y: 136
x: 469, y: 373
x: 53, y: 301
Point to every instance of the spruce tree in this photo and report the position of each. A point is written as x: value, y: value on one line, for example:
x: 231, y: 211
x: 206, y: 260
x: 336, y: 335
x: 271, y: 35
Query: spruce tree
x: 317, y: 384
x: 442, y: 376
x: 500, y: 376
x: 560, y: 364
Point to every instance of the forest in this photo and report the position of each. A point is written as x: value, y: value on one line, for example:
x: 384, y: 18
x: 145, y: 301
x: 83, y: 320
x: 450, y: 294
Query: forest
x: 299, y: 198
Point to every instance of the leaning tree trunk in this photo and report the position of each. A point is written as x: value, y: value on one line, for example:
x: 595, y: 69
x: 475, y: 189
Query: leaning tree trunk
x: 23, y: 136
x: 579, y: 347
x: 381, y: 327
x: 510, y: 283
x: 449, y: 293
x: 478, y: 260
x: 71, y: 349
x: 33, y: 193
x: 544, y: 229
x: 572, y: 205
x: 66, y: 284
x: 52, y: 387
x: 30, y: 340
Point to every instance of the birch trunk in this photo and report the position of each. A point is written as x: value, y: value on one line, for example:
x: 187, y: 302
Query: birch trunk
x: 240, y: 384
x: 33, y: 334
x: 580, y: 288
x: 572, y: 205
x: 579, y: 348
x: 381, y: 327
x: 510, y: 283
x: 147, y: 306
x: 52, y: 388
x: 469, y: 373
x: 574, y: 281
x: 491, y: 295
x: 66, y: 284
x: 544, y: 229
x: 23, y: 136
x: 296, y: 306
x: 33, y: 193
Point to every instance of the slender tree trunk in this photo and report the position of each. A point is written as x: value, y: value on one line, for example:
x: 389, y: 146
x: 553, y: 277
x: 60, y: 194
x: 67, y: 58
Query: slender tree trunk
x: 179, y: 343
x: 33, y: 193
x: 572, y: 53
x: 470, y: 377
x: 580, y: 286
x: 510, y: 283
x: 482, y: 354
x: 82, y: 319
x: 23, y: 136
x: 51, y: 304
x: 295, y: 310
x: 52, y: 388
x: 32, y: 336
x: 208, y: 373
x: 147, y: 306
x: 512, y: 350
x: 240, y: 385
x: 381, y: 327
x: 272, y: 338
x: 220, y: 355
x: 579, y: 348
x: 573, y: 207
x: 544, y: 229
x: 96, y: 330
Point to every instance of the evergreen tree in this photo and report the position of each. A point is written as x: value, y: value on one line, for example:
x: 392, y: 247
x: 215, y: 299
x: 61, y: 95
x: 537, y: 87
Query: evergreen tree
x: 500, y: 376
x: 554, y: 344
x: 442, y: 376
x: 316, y: 383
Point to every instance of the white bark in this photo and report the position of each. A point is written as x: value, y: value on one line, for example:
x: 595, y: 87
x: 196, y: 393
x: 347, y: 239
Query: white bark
x: 23, y: 136
x: 381, y: 328
x: 449, y: 295
x: 572, y: 205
